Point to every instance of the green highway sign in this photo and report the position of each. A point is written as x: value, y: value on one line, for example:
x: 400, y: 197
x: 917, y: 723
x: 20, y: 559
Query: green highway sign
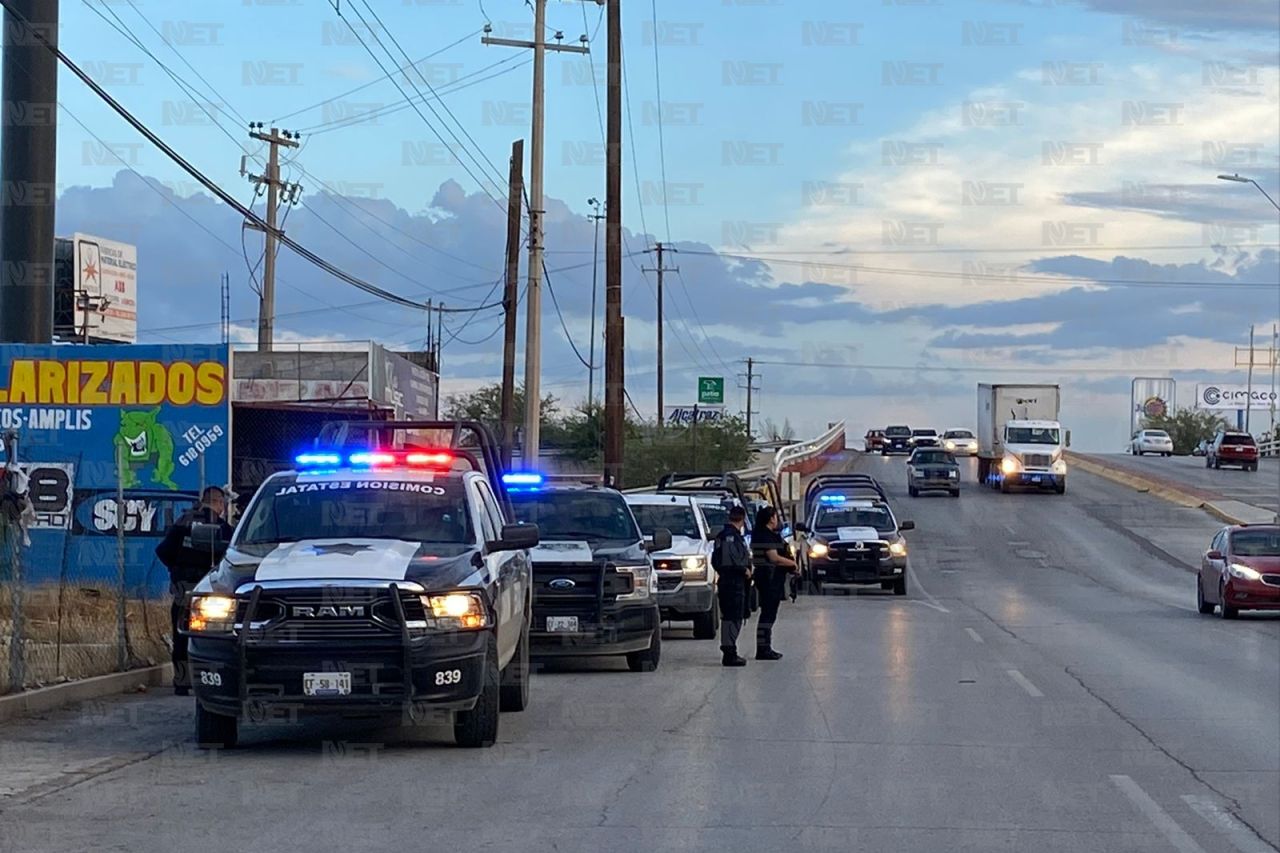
x: 711, y: 389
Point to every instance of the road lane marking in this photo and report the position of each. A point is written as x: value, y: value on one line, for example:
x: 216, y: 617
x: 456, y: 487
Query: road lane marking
x: 1241, y: 837
x: 977, y: 638
x: 933, y: 604
x: 915, y: 581
x: 1174, y: 834
x: 1024, y: 683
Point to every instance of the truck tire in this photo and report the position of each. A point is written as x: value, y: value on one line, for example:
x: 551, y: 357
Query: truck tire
x: 514, y: 695
x: 478, y: 728
x: 913, y: 491
x: 1004, y: 486
x: 955, y: 493
x: 984, y: 471
x: 1060, y: 488
x: 647, y: 660
x: 215, y: 731
x: 900, y: 585
x: 707, y: 625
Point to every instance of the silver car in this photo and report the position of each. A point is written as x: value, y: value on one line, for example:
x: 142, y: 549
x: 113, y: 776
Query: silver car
x: 960, y: 442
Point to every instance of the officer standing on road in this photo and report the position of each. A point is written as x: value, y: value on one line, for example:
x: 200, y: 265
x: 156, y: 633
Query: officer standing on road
x: 732, y: 561
x: 772, y: 564
x: 187, y: 565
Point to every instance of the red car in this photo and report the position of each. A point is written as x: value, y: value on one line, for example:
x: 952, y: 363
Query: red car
x: 1232, y: 448
x: 1240, y: 571
x: 873, y: 440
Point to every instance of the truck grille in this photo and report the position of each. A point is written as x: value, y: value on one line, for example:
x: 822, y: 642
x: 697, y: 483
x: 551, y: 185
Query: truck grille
x: 1271, y: 580
x: 328, y: 615
x: 593, y: 586
x: 1037, y: 460
x: 847, y: 563
x: 668, y: 582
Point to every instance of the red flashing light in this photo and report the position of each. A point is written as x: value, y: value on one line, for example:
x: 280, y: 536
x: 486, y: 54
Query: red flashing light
x: 432, y: 460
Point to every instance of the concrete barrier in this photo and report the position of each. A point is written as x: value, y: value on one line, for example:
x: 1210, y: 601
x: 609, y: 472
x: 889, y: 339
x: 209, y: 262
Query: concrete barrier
x: 44, y: 699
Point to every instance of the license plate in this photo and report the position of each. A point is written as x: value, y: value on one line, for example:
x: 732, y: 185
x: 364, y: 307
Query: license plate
x: 326, y: 683
x: 1035, y: 479
x: 562, y: 623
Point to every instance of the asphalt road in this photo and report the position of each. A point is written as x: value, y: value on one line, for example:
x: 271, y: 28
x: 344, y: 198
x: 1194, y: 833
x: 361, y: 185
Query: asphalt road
x: 1260, y: 488
x: 1045, y: 686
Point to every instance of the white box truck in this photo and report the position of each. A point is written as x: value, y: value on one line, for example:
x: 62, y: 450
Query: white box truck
x: 1020, y: 439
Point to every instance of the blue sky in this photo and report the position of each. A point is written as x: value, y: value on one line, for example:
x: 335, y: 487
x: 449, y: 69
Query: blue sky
x: 975, y: 164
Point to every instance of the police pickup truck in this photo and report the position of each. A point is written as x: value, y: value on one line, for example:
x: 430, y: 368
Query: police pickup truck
x: 686, y: 583
x: 593, y: 578
x: 853, y: 536
x: 384, y: 577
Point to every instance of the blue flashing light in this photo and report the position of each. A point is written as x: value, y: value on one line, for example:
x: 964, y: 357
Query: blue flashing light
x: 523, y: 479
x: 832, y: 499
x: 318, y: 460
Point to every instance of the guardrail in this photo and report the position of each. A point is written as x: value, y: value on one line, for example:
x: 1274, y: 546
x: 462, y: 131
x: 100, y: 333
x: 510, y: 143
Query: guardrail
x: 801, y: 454
x: 1269, y: 446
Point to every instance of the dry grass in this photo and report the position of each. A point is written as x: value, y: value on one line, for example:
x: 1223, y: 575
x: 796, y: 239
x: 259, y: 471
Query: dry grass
x: 87, y: 643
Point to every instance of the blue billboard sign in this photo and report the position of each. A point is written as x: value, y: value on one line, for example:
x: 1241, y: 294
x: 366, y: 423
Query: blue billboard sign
x: 155, y: 419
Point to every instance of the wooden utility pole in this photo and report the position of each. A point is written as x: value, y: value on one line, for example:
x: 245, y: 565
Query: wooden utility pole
x: 595, y: 269
x: 660, y: 269
x: 267, y: 300
x: 533, y: 295
x: 614, y: 389
x: 510, y: 298
x: 751, y: 382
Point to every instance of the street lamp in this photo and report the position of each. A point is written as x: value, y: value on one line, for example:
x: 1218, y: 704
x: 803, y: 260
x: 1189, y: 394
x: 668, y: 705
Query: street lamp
x: 1239, y: 180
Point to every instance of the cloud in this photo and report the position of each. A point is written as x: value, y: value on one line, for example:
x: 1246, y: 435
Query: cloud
x: 1249, y: 16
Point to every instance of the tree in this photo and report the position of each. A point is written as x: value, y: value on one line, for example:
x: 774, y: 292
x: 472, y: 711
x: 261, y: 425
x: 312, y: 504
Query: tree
x: 649, y: 452
x: 772, y: 432
x: 1187, y: 427
x: 485, y: 405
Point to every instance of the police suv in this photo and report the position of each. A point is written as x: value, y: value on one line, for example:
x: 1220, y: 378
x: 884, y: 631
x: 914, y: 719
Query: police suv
x: 853, y: 536
x: 370, y: 580
x: 593, y: 579
x: 686, y: 583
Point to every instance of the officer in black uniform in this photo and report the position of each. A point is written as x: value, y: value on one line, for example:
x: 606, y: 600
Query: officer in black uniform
x: 772, y: 563
x: 732, y: 561
x: 187, y: 565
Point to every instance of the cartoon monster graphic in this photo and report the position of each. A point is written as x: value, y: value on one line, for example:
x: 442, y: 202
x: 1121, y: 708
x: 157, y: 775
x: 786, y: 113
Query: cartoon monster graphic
x: 142, y: 441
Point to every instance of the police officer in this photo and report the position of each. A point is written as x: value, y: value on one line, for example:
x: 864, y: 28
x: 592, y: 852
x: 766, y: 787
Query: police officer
x: 771, y: 557
x: 187, y: 566
x: 732, y: 561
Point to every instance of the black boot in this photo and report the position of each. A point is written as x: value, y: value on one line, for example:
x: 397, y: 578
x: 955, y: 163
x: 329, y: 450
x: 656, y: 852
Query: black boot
x: 732, y: 658
x: 764, y: 644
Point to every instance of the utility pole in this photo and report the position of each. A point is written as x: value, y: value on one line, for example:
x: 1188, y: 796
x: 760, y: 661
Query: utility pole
x: 267, y: 301
x: 1248, y: 400
x: 750, y: 377
x: 1275, y: 355
x: 595, y: 268
x: 510, y: 298
x: 533, y: 295
x: 614, y: 388
x: 28, y: 169
x: 225, y: 284
x: 660, y: 269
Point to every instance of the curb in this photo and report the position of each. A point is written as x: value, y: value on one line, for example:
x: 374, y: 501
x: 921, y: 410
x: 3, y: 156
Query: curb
x: 45, y: 699
x: 1142, y: 484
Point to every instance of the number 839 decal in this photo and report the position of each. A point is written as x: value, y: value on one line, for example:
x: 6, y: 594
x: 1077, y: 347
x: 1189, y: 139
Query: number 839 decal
x: 446, y: 677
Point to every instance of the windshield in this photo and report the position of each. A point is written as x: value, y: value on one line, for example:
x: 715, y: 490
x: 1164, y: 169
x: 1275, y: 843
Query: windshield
x: 832, y: 518
x: 936, y: 457
x: 959, y: 433
x: 716, y: 515
x: 577, y: 515
x: 898, y: 431
x: 1156, y: 433
x: 1256, y: 543
x: 1031, y: 435
x: 678, y: 518
x: 924, y: 432
x: 1237, y: 438
x: 409, y: 510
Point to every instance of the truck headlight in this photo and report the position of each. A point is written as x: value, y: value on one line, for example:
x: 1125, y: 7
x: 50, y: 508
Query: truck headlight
x: 695, y: 568
x: 818, y: 549
x: 953, y: 474
x: 455, y: 611
x: 898, y: 549
x: 1059, y: 466
x: 1010, y: 465
x: 641, y: 582
x: 212, y: 614
x: 1239, y: 570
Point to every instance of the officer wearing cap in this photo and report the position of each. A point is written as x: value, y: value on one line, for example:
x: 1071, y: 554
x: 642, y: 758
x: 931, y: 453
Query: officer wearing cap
x: 732, y: 561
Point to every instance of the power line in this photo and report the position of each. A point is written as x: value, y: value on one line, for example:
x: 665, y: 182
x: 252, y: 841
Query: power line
x: 977, y: 366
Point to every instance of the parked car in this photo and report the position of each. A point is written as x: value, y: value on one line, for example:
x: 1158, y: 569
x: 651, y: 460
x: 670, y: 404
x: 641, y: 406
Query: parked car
x: 873, y: 440
x: 1146, y: 441
x: 961, y: 442
x: 1232, y: 448
x: 1240, y: 571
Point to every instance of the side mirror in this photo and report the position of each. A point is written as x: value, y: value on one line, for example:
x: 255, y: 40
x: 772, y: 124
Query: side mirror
x: 661, y: 540
x: 208, y: 537
x: 1215, y: 555
x: 1068, y: 438
x: 802, y: 528
x: 907, y: 525
x: 517, y: 537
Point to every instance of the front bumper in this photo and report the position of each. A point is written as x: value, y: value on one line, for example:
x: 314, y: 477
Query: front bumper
x: 684, y: 600
x: 1037, y: 479
x: 829, y: 572
x: 890, y: 447
x: 1252, y: 595
x: 619, y: 631
x: 934, y: 484
x: 445, y: 672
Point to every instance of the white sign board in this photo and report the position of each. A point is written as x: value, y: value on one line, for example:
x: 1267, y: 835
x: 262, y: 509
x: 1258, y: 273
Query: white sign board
x: 106, y: 283
x: 684, y: 415
x: 295, y: 391
x: 1235, y: 398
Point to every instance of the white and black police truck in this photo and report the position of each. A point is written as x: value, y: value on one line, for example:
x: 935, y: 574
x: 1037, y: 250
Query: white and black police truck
x: 382, y: 576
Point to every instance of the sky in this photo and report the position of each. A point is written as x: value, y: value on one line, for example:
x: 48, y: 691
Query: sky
x: 881, y: 204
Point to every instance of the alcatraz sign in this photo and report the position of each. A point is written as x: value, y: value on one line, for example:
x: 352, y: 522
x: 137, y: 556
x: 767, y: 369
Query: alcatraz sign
x: 684, y: 415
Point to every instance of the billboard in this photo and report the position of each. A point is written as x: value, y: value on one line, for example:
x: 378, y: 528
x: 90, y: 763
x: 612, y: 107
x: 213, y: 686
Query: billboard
x: 154, y: 419
x: 106, y: 289
x: 1150, y: 397
x: 1236, y: 398
x: 685, y: 415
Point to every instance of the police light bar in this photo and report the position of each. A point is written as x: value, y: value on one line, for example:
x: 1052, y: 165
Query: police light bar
x: 328, y: 460
x: 832, y: 499
x: 526, y: 479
